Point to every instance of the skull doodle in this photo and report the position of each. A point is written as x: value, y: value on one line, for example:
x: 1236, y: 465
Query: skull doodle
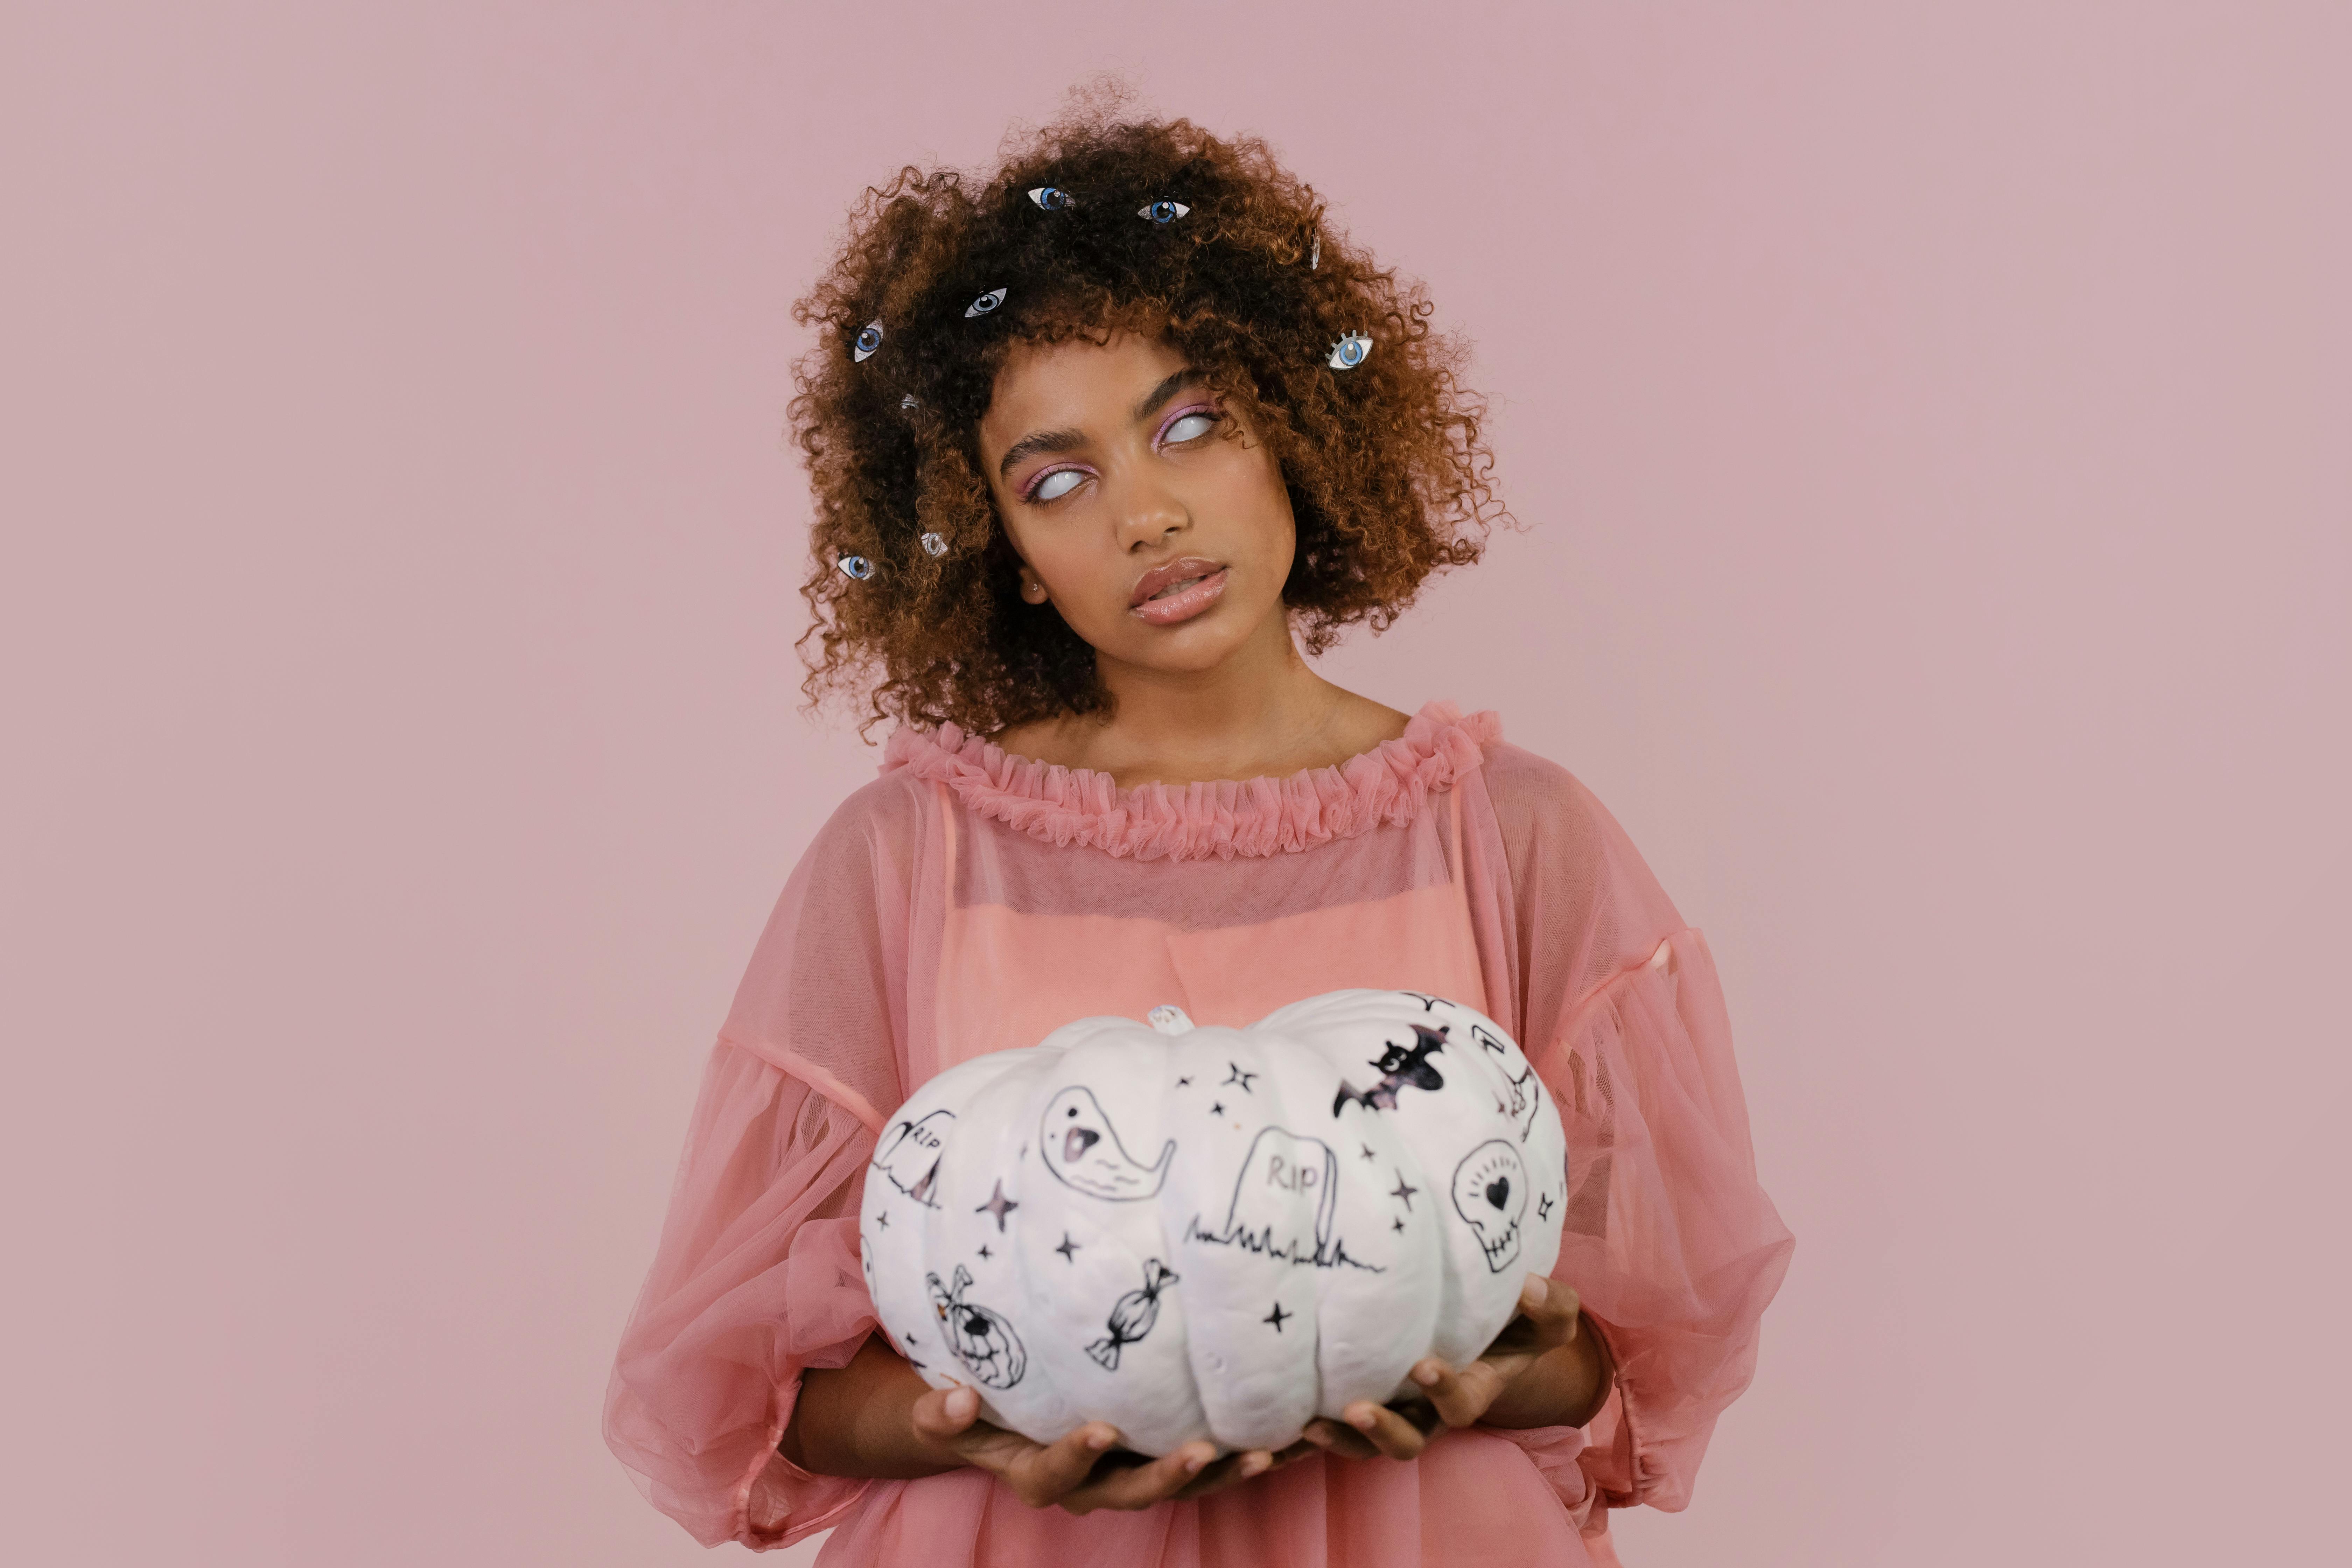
x: 1490, y: 1191
x: 981, y: 1339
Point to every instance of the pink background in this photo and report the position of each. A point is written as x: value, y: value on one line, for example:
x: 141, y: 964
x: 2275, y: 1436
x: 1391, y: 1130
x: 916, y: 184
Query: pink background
x: 1933, y: 424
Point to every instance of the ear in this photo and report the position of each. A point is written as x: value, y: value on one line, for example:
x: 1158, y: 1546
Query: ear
x: 1032, y: 589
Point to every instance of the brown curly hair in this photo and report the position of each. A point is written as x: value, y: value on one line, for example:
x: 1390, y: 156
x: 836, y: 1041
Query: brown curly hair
x: 1387, y: 476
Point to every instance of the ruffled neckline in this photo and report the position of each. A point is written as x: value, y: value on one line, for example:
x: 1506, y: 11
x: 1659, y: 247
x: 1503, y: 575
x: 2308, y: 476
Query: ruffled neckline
x: 1389, y: 784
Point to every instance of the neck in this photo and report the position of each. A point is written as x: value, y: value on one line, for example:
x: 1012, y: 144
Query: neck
x: 1261, y: 710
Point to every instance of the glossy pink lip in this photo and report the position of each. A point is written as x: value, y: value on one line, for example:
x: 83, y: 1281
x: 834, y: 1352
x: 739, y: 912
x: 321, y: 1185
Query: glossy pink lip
x: 1183, y: 604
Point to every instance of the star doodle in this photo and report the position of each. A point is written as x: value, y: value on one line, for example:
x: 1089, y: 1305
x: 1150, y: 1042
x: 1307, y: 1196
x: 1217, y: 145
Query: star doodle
x: 998, y: 1204
x: 1543, y: 1207
x: 1277, y: 1316
x: 1368, y: 1152
x: 1068, y: 1250
x: 1183, y: 1083
x: 882, y: 1221
x: 1403, y: 1192
x: 1218, y: 1109
x: 1233, y: 1074
x: 1396, y: 1225
x: 984, y: 1252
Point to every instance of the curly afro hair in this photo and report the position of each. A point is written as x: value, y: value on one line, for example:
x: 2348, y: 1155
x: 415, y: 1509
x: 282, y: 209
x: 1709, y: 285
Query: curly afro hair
x: 1387, y: 476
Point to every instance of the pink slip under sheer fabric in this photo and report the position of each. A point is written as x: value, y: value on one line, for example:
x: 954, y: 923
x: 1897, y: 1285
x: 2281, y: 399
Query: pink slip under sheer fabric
x: 967, y: 897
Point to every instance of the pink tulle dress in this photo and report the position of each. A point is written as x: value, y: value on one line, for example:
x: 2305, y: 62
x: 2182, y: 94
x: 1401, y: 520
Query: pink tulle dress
x: 969, y: 901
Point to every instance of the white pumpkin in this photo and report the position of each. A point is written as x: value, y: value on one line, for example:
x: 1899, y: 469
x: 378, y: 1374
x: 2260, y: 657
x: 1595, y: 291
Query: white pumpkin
x: 1214, y: 1232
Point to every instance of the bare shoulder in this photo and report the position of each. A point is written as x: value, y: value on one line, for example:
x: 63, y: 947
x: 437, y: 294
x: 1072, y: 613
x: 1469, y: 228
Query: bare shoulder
x: 1362, y: 724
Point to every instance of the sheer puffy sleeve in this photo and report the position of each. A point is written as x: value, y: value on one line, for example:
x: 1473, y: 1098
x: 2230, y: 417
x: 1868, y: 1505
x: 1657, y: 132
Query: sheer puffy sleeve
x: 1670, y: 1240
x: 756, y: 1277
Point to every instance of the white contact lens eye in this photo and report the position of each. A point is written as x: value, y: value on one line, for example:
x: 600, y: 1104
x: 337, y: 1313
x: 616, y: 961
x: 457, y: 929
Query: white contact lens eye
x: 1162, y: 212
x: 1053, y: 198
x: 868, y: 340
x: 1349, y: 351
x: 984, y: 304
x: 1191, y: 428
x: 1057, y: 484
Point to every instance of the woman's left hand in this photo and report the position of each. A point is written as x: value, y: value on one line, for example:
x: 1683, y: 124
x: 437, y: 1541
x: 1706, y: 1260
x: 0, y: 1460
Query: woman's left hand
x: 1506, y: 1385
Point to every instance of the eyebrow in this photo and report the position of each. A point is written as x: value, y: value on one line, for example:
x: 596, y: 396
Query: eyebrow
x: 1040, y: 442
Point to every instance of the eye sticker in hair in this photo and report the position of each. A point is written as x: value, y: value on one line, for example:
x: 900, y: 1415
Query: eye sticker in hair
x: 1162, y: 212
x: 934, y: 546
x: 984, y: 304
x: 1053, y: 198
x: 1315, y: 256
x: 907, y: 401
x: 856, y: 566
x: 868, y: 340
x: 1349, y: 351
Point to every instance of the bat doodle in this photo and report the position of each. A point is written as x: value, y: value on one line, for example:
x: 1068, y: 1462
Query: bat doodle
x: 1402, y: 1066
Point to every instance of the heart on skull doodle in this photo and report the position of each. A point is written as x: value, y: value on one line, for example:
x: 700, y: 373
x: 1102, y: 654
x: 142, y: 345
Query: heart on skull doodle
x: 1209, y: 1231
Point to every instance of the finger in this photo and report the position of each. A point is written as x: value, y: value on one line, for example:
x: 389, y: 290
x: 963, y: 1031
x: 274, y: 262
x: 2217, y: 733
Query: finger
x: 943, y: 1414
x: 1551, y: 1306
x: 1387, y: 1430
x: 1229, y: 1472
x: 1144, y: 1484
x: 1338, y: 1437
x: 1461, y: 1397
x: 1046, y: 1473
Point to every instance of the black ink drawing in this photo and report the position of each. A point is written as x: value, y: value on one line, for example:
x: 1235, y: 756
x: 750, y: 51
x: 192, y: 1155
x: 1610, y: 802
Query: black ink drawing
x: 1083, y: 1150
x: 1402, y: 1066
x: 1402, y: 1191
x: 1428, y: 1003
x: 1280, y: 1170
x: 1277, y: 1316
x: 1068, y: 1250
x: 1233, y: 1074
x: 998, y: 1204
x: 980, y: 1338
x: 909, y: 1156
x: 1490, y: 1191
x: 1132, y: 1315
x: 1527, y: 1091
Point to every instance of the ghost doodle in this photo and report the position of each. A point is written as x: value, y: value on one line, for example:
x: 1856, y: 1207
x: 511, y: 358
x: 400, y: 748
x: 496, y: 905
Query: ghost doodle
x: 1132, y: 1315
x: 979, y: 1337
x: 1082, y: 1148
x: 1490, y: 1191
x: 1402, y: 1066
x: 909, y: 1156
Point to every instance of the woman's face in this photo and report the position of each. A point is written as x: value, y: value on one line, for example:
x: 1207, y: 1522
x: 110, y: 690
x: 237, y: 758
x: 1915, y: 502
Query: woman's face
x: 1161, y: 545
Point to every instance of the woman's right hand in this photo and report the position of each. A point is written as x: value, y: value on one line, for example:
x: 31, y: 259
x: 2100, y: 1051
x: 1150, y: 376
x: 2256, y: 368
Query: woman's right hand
x: 1081, y: 1472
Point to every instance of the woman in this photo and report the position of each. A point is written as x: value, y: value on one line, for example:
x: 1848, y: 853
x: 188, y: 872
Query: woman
x: 1098, y: 447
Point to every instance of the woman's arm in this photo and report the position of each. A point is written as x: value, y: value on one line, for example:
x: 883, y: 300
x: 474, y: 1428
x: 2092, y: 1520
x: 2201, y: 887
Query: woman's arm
x: 1548, y: 1367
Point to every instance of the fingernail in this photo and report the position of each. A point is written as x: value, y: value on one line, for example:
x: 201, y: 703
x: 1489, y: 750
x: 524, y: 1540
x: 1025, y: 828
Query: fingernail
x: 1256, y: 1464
x: 1362, y: 1420
x: 1196, y: 1464
x: 1536, y: 1290
x: 1100, y: 1439
x: 1425, y: 1376
x: 963, y: 1402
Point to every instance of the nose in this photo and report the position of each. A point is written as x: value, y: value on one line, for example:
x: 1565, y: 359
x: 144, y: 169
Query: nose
x: 1149, y: 514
